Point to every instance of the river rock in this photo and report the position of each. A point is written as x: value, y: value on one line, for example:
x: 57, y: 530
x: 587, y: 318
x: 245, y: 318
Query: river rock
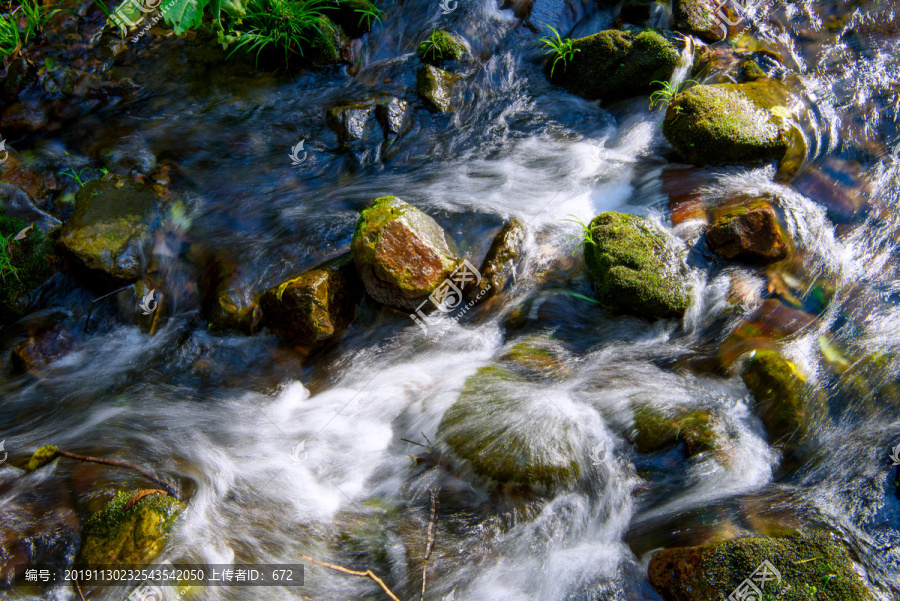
x: 393, y: 116
x: 130, y: 154
x: 785, y: 402
x: 315, y: 306
x: 752, y: 234
x: 235, y: 302
x: 15, y: 202
x: 499, y: 265
x: 635, y: 268
x: 654, y: 430
x: 509, y: 433
x: 442, y: 46
x: 696, y: 17
x: 323, y: 41
x: 20, y: 74
x: 435, y: 87
x: 615, y: 64
x: 33, y: 183
x: 729, y: 123
x: 129, y: 532
x: 401, y: 253
x: 802, y: 559
x: 30, y: 257
x: 351, y: 121
x: 41, y: 349
x: 23, y: 118
x: 537, y: 358
x: 350, y: 15
x: 109, y: 227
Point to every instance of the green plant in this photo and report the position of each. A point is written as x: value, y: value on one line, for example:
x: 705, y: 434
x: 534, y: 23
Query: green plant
x: 284, y: 24
x: 370, y: 15
x: 431, y: 44
x: 21, y: 25
x: 562, y: 48
x: 6, y: 266
x: 585, y: 237
x: 80, y: 177
x: 667, y: 93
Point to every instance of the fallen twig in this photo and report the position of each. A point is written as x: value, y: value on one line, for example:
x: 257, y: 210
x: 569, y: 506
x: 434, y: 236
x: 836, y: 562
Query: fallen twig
x: 99, y: 298
x: 366, y: 574
x: 430, y: 536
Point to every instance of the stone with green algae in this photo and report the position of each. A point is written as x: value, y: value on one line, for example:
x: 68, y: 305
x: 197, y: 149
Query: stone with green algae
x: 435, y: 86
x: 441, y: 46
x: 42, y: 457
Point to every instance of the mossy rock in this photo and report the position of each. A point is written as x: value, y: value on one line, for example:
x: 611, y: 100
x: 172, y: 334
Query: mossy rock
x: 442, y: 46
x: 508, y: 432
x: 805, y: 562
x: 785, y: 402
x: 133, y: 536
x: 401, y: 254
x: 654, y: 430
x: 351, y: 16
x: 499, y: 265
x: 615, y: 64
x: 696, y: 17
x: 752, y: 234
x: 315, y: 306
x: 729, y: 123
x: 109, y: 227
x: 537, y: 358
x: 31, y: 259
x: 323, y: 42
x: 634, y: 267
x: 435, y: 86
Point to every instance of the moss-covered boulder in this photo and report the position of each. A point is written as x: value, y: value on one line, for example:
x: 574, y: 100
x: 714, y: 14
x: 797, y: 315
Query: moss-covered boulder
x: 316, y: 305
x: 508, y: 432
x: 499, y: 265
x: 108, y: 230
x: 24, y: 266
x: 323, y: 41
x: 655, y: 430
x: 441, y: 46
x: 354, y: 16
x: 435, y: 86
x: 812, y: 565
x: 635, y: 268
x: 729, y: 123
x: 751, y: 234
x: 537, y: 358
x: 401, y: 253
x: 615, y: 64
x: 785, y: 402
x: 132, y: 529
x: 697, y: 17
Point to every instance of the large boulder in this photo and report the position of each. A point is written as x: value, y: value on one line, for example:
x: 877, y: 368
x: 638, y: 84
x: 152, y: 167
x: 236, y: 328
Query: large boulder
x: 24, y: 265
x: 615, y: 64
x: 752, y: 234
x: 655, y: 429
x: 809, y: 566
x: 316, y: 305
x: 108, y: 230
x: 401, y: 254
x: 508, y: 432
x: 132, y: 529
x: 729, y: 123
x: 635, y: 268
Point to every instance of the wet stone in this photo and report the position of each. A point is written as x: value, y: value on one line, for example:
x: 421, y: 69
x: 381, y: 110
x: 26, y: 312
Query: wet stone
x: 128, y: 155
x: 434, y: 85
x: 751, y: 234
x: 499, y: 265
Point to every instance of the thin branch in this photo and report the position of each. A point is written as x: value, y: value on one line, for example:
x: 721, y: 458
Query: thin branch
x: 430, y: 536
x: 366, y: 574
x: 78, y: 588
x: 99, y: 298
x: 415, y: 443
x: 146, y: 473
x: 426, y: 438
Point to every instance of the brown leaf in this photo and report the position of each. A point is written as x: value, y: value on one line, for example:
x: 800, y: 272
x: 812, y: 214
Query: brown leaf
x: 141, y: 494
x: 21, y: 235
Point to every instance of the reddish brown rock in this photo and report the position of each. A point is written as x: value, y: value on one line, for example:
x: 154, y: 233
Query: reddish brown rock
x: 753, y: 235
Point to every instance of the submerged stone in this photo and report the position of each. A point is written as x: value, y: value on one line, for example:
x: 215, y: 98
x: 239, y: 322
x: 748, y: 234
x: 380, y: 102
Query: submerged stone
x: 729, y: 123
x: 655, y: 430
x: 315, y: 306
x: 537, y: 358
x: 635, y: 269
x: 127, y: 531
x: 493, y: 427
x: 615, y: 64
x: 108, y: 230
x: 434, y: 86
x: 753, y: 234
x: 804, y: 561
x: 401, y: 254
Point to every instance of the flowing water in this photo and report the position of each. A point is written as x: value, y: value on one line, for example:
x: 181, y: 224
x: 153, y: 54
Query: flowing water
x: 223, y: 414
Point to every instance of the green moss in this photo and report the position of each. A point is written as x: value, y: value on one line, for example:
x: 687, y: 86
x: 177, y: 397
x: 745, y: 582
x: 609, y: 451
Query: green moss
x: 441, y: 46
x: 634, y: 268
x: 30, y: 258
x: 728, y: 123
x: 351, y: 16
x: 696, y: 17
x: 434, y: 86
x: 655, y: 430
x: 617, y: 63
x: 134, y: 536
x: 323, y: 42
x: 42, y: 457
x: 377, y: 213
x: 805, y: 560
x: 492, y: 427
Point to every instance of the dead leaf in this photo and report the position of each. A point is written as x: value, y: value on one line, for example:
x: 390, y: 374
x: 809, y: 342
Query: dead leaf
x: 141, y: 494
x: 21, y: 235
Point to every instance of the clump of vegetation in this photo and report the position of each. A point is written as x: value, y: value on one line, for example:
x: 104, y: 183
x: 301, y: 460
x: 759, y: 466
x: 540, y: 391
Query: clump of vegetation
x: 288, y: 25
x: 24, y: 264
x: 83, y: 176
x: 369, y: 16
x: 585, y: 237
x: 21, y: 25
x: 668, y: 92
x: 441, y: 45
x: 561, y: 48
